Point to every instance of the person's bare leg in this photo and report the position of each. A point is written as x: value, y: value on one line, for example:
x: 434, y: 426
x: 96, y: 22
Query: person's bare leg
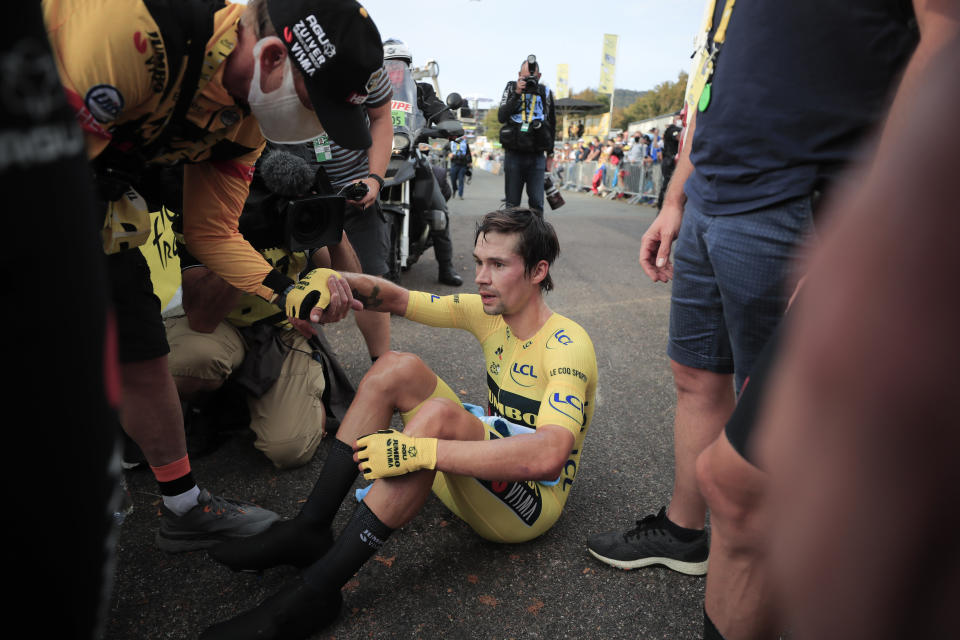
x: 374, y: 325
x: 396, y: 500
x: 397, y: 381
x: 705, y: 401
x: 150, y: 411
x: 738, y: 597
x: 313, y: 600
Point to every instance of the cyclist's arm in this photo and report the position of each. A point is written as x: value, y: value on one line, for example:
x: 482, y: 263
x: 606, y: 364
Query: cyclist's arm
x: 533, y: 456
x: 378, y: 294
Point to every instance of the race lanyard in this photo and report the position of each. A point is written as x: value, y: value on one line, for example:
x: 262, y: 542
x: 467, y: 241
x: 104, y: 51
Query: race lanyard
x: 701, y: 85
x: 529, y: 108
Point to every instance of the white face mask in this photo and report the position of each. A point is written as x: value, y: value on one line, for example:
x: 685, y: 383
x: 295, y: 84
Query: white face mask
x: 282, y: 117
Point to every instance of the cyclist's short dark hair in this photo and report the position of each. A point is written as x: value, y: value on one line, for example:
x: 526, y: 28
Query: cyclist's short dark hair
x: 537, y: 239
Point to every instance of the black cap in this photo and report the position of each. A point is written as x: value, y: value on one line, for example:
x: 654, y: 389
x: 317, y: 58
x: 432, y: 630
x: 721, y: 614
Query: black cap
x: 336, y: 47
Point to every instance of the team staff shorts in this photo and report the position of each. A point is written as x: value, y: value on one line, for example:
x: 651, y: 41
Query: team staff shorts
x: 369, y: 234
x: 498, y: 511
x: 140, y: 332
x: 730, y: 283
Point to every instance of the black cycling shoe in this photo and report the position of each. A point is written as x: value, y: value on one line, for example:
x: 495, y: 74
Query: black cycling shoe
x: 449, y: 277
x: 296, y: 611
x: 287, y: 542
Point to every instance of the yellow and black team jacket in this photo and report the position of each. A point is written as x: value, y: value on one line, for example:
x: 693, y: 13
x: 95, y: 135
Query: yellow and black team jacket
x: 117, y: 69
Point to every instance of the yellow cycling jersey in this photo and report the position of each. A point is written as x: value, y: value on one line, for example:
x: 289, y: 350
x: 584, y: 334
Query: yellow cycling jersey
x: 549, y: 378
x: 113, y: 65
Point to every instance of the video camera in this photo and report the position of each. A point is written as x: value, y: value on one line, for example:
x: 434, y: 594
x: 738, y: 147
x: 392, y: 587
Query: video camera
x: 288, y: 214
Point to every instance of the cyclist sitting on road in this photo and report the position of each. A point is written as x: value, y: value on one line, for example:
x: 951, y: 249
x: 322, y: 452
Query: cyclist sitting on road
x: 507, y: 474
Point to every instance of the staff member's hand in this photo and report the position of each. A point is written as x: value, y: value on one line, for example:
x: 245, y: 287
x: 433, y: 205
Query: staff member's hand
x: 373, y: 191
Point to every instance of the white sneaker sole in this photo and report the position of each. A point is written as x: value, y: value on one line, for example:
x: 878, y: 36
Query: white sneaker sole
x: 689, y: 568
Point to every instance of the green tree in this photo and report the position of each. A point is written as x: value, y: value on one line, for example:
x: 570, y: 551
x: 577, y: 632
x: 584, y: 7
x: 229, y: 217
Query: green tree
x: 491, y: 126
x: 666, y: 97
x: 591, y: 95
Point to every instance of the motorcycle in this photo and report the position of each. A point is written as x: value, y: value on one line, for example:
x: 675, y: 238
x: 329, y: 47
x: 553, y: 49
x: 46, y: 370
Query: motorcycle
x: 411, y: 196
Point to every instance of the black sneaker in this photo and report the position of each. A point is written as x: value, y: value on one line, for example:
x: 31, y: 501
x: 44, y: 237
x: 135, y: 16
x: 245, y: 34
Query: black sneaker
x: 211, y: 522
x: 286, y: 542
x: 651, y: 543
x: 296, y: 611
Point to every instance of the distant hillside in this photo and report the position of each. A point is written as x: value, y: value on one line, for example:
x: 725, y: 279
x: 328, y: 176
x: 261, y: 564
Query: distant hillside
x: 625, y: 97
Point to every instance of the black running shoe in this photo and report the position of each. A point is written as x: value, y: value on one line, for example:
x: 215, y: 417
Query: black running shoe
x: 296, y: 611
x: 212, y: 521
x: 649, y: 544
x: 287, y: 542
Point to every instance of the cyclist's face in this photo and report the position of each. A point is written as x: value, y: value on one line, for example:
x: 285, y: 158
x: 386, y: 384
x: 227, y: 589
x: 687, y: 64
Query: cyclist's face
x: 503, y: 285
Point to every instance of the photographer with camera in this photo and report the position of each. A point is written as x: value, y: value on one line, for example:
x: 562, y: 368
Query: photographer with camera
x: 529, y: 122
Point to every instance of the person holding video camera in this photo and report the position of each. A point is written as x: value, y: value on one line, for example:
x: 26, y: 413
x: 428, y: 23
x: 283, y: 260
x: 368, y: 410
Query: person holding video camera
x: 529, y: 122
x: 289, y: 375
x: 361, y: 173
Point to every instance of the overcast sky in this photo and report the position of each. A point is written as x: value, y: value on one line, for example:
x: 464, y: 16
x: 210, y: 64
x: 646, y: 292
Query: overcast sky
x: 480, y: 44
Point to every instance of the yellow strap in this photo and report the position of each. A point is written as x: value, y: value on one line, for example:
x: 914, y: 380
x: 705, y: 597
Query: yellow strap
x: 533, y: 108
x: 721, y: 33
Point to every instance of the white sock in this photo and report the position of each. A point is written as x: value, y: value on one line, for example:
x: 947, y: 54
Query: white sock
x: 183, y: 502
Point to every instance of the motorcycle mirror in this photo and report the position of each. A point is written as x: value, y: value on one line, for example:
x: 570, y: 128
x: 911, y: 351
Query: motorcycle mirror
x: 451, y: 128
x: 454, y: 100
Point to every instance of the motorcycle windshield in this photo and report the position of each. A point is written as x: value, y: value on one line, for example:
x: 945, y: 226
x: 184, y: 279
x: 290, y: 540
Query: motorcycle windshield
x: 406, y: 115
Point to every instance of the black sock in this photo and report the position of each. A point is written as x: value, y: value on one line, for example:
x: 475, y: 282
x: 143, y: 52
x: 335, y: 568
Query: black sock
x: 336, y: 478
x: 359, y: 540
x: 178, y: 486
x: 709, y: 631
x: 681, y: 533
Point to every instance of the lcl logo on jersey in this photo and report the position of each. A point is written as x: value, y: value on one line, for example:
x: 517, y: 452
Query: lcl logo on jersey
x: 523, y: 374
x: 570, y: 406
x: 559, y: 338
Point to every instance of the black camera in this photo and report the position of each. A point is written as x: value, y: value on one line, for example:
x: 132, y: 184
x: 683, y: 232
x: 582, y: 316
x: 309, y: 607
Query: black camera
x: 355, y: 191
x: 532, y: 86
x: 314, y: 222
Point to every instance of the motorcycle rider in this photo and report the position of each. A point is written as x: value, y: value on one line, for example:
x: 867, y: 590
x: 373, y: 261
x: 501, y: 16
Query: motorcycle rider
x: 429, y: 104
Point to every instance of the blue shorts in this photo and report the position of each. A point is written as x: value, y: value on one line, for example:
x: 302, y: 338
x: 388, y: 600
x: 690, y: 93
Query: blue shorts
x: 729, y: 283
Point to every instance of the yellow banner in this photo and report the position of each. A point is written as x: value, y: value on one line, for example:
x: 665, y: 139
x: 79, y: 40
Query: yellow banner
x: 160, y: 250
x: 608, y: 63
x: 563, y: 83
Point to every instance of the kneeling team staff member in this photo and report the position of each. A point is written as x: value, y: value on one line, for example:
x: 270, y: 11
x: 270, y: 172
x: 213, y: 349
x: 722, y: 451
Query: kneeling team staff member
x: 507, y: 474
x: 155, y: 83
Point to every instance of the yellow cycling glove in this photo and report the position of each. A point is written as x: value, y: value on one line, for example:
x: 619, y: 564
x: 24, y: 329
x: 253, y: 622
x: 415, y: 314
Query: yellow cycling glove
x: 311, y: 291
x: 389, y: 453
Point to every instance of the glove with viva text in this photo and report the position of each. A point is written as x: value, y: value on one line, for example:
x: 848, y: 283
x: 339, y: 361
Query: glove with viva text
x: 389, y: 453
x: 311, y: 291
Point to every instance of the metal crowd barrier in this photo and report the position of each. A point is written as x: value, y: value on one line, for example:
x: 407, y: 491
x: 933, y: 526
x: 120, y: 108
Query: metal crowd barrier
x: 634, y: 182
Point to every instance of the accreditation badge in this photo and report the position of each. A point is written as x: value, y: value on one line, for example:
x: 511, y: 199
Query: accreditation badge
x: 321, y: 147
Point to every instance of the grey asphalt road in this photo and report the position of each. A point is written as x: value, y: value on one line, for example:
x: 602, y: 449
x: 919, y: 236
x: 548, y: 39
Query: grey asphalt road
x: 435, y: 578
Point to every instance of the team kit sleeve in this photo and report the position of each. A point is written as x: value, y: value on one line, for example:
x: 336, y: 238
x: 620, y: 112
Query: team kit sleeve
x: 213, y: 197
x: 458, y: 311
x: 570, y: 365
x: 102, y: 68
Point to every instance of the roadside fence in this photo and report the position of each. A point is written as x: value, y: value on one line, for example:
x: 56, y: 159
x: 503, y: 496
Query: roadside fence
x: 634, y: 182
